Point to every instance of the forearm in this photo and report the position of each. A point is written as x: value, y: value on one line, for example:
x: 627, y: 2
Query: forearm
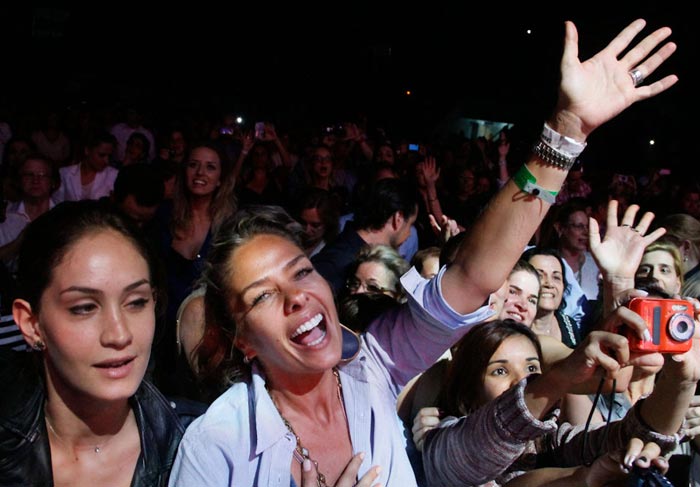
x: 482, y: 446
x: 551, y: 477
x: 497, y: 239
x: 664, y: 410
x: 566, y: 448
x: 432, y: 202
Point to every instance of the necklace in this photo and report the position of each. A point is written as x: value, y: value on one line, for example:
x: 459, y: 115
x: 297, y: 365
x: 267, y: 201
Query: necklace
x: 96, y: 448
x: 300, y: 452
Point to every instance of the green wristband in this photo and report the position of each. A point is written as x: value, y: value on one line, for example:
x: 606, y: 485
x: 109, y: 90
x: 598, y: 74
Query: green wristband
x: 527, y: 182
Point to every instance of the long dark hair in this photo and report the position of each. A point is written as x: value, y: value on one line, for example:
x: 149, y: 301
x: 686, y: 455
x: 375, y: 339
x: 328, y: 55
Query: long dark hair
x: 461, y: 391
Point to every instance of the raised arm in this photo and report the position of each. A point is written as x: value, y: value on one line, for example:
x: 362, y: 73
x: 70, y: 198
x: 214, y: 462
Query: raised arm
x: 590, y: 94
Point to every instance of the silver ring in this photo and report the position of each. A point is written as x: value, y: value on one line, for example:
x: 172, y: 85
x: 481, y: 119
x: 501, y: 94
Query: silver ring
x: 637, y: 77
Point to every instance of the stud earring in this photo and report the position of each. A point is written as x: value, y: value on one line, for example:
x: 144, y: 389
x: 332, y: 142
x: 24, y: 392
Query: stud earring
x: 39, y: 345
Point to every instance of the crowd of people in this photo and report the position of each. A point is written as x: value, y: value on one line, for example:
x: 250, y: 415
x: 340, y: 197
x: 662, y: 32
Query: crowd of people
x: 226, y: 306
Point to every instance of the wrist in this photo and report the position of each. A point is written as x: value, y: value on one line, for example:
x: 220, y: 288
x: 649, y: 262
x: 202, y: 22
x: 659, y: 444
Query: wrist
x: 569, y: 125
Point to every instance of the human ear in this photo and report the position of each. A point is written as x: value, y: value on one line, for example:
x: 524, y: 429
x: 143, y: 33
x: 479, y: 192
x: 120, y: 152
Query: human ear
x: 28, y: 323
x: 246, y: 349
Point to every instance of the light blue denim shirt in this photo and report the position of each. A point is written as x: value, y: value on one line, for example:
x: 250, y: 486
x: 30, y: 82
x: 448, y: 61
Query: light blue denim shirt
x: 242, y: 441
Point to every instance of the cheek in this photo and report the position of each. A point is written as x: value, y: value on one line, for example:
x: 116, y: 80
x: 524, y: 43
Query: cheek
x: 492, y: 389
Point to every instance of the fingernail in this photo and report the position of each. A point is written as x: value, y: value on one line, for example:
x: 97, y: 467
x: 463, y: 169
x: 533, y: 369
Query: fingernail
x: 361, y: 455
x: 642, y: 292
x: 641, y: 460
x: 629, y: 460
x: 377, y: 469
x: 647, y: 336
x: 306, y: 465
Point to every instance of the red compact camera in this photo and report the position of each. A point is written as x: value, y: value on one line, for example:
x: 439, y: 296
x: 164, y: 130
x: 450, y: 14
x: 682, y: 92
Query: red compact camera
x: 670, y: 323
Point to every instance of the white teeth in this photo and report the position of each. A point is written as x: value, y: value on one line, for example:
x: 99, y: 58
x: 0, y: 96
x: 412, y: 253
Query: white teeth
x: 313, y: 322
x: 516, y: 316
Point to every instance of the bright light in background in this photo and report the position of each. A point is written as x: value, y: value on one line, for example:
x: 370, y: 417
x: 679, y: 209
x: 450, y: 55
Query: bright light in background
x: 408, y: 92
x: 239, y: 120
x: 652, y: 142
x: 528, y: 31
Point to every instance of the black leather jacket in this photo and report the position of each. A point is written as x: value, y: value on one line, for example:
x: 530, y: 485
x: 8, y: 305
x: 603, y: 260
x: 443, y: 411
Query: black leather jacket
x: 25, y: 457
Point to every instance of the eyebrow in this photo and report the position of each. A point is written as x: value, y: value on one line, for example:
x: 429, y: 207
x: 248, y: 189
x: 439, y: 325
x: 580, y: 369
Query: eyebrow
x: 504, y: 361
x: 260, y: 281
x: 92, y: 291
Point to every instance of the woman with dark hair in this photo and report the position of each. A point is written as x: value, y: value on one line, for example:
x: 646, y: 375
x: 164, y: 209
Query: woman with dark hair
x: 491, y: 443
x: 551, y: 319
x: 78, y: 411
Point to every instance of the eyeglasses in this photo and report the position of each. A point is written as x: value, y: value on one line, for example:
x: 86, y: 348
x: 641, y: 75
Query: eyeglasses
x: 353, y: 285
x: 33, y: 175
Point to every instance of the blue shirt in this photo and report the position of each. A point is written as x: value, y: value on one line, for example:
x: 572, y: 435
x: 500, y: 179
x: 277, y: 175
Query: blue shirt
x: 242, y: 440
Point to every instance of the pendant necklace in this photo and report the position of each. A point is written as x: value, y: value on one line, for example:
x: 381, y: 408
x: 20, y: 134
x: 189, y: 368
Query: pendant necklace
x: 300, y: 452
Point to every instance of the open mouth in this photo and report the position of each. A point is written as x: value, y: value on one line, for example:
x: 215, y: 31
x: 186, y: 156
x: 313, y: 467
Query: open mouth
x: 515, y: 316
x: 310, y: 333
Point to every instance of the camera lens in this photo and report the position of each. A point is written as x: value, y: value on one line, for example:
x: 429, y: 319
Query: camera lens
x: 681, y: 327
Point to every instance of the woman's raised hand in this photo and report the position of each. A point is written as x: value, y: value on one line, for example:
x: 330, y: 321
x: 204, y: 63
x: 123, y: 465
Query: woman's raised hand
x: 618, y: 255
x: 594, y: 91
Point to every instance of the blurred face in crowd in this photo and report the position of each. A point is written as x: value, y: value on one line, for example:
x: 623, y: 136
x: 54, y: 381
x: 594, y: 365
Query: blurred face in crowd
x: 659, y: 265
x: 203, y: 172
x: 314, y: 227
x: 177, y: 143
x: 35, y: 179
x: 322, y: 163
x: 135, y: 149
x: 372, y: 278
x: 551, y: 281
x: 573, y: 234
x: 385, y: 153
x: 404, y: 229
x: 97, y: 158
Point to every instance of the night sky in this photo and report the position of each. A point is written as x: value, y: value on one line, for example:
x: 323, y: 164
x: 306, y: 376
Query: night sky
x: 338, y: 61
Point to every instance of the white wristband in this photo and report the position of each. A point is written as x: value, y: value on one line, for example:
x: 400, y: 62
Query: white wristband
x: 561, y: 143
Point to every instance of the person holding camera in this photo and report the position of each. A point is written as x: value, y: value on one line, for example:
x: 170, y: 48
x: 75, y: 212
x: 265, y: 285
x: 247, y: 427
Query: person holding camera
x: 499, y: 441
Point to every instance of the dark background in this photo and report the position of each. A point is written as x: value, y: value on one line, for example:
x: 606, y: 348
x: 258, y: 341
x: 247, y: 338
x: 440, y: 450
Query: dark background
x: 301, y: 65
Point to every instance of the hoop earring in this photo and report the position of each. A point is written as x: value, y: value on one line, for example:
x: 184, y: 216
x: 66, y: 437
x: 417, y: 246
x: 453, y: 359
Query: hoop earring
x: 246, y: 359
